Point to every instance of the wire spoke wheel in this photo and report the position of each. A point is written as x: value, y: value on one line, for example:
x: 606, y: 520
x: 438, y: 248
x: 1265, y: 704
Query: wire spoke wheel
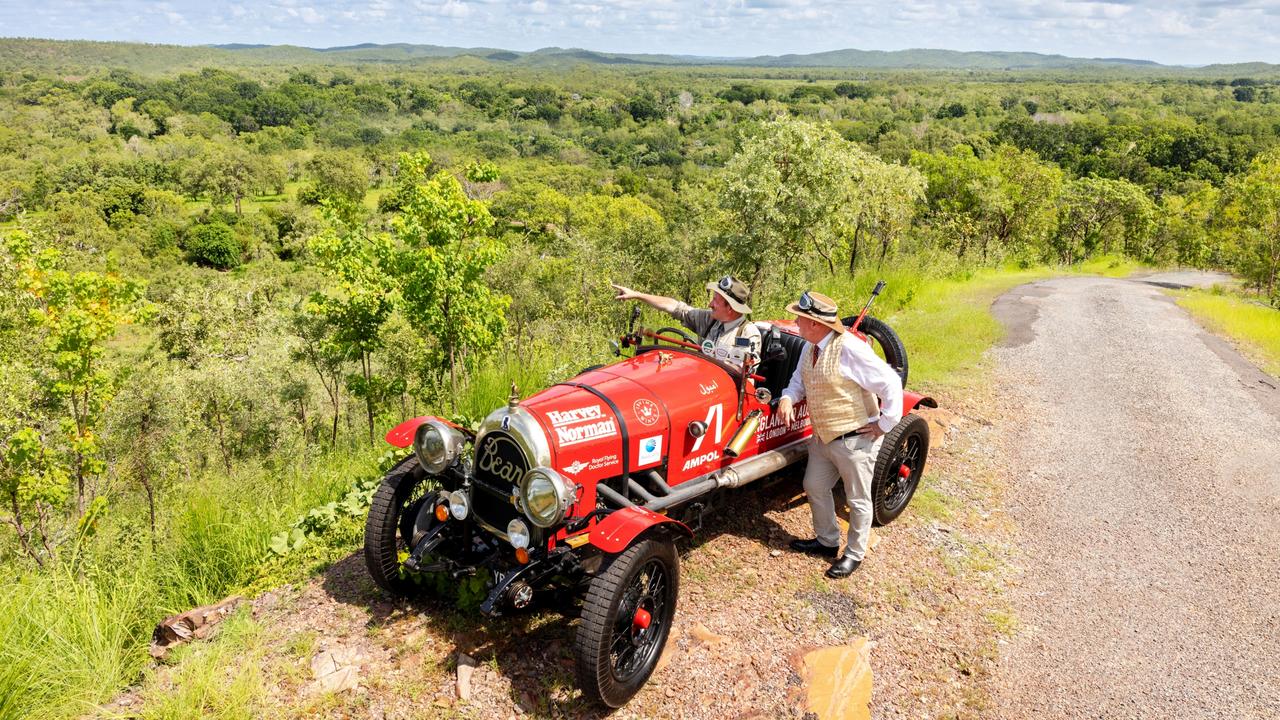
x: 626, y: 618
x: 899, y: 467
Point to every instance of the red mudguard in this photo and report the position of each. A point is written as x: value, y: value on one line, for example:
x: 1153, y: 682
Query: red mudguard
x: 402, y: 435
x: 614, y: 533
x: 909, y: 402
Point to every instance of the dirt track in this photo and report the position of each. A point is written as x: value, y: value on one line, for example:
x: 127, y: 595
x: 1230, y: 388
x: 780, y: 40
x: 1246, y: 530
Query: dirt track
x: 1146, y: 494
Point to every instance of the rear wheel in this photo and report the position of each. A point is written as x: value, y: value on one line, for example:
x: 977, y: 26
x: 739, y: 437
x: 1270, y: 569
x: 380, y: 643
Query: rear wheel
x: 626, y: 617
x: 389, y: 528
x: 885, y: 341
x: 899, y: 466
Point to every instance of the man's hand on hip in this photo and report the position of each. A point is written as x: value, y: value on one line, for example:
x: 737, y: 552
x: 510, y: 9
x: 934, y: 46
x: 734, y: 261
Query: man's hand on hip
x: 871, y: 429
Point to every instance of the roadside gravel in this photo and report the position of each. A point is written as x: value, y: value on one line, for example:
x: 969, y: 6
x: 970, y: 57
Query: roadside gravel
x: 1146, y: 496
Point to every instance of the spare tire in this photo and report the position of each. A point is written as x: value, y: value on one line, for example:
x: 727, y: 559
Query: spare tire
x: 888, y: 342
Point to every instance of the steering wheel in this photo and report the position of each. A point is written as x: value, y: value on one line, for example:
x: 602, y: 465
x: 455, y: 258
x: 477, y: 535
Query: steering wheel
x: 676, y: 331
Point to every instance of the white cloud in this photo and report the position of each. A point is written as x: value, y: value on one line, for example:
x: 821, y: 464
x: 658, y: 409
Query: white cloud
x: 1170, y: 30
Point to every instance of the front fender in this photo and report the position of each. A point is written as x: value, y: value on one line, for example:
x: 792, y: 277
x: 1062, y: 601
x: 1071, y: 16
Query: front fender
x: 402, y: 435
x: 617, y: 530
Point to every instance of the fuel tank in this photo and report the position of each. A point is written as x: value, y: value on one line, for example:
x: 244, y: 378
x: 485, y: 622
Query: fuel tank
x: 637, y: 413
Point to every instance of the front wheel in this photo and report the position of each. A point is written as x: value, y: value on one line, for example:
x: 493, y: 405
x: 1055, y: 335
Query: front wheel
x: 625, y: 620
x: 389, y: 528
x: 899, y: 466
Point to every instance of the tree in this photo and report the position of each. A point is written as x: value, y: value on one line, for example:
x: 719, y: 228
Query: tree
x: 75, y: 316
x: 1095, y: 211
x: 363, y: 265
x: 442, y: 268
x: 785, y: 189
x: 1251, y: 214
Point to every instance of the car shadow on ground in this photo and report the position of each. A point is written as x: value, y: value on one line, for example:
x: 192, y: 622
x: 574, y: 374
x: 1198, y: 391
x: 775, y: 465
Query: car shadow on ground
x: 533, y: 650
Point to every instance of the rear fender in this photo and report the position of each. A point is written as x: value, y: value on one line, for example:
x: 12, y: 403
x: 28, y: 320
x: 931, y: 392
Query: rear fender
x: 909, y: 402
x: 402, y: 435
x: 619, y: 529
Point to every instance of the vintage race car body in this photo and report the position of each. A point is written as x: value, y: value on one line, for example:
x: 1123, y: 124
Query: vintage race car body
x: 560, y: 485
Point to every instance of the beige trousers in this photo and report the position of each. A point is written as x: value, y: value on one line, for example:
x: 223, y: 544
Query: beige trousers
x: 852, y: 459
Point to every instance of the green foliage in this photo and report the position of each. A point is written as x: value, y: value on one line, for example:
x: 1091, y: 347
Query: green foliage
x: 214, y: 245
x: 442, y: 269
x: 1251, y: 214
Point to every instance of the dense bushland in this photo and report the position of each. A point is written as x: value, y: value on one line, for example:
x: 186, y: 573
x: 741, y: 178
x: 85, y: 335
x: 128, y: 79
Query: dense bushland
x: 218, y: 289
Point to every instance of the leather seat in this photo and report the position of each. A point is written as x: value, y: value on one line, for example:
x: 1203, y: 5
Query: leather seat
x: 781, y: 353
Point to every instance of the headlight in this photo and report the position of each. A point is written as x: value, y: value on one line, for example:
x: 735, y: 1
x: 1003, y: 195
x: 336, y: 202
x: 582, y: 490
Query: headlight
x: 437, y: 445
x: 459, y: 506
x: 545, y: 496
x: 518, y: 533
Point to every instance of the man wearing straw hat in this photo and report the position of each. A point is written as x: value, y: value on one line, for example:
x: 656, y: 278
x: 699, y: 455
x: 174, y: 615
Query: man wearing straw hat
x: 842, y: 378
x: 723, y: 324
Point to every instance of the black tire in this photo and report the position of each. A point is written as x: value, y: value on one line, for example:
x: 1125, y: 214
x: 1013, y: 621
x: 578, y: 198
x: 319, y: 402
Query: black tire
x: 402, y: 492
x: 895, y: 353
x: 906, y: 444
x: 615, y: 657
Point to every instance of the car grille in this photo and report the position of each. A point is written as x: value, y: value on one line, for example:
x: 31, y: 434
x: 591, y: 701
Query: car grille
x: 500, y: 464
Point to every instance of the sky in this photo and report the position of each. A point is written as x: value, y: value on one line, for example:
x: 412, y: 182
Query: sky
x: 1175, y: 32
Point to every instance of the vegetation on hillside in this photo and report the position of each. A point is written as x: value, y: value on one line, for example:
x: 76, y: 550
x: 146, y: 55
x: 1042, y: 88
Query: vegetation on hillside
x: 219, y: 286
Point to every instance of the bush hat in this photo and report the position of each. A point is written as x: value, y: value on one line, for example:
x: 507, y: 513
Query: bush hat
x: 734, y: 292
x: 818, y: 308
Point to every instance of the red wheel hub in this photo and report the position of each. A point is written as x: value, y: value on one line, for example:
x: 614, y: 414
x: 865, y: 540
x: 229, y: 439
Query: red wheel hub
x: 904, y: 471
x: 642, y: 619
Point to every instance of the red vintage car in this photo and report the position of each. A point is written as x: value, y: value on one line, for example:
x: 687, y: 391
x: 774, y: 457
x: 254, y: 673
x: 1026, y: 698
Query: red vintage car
x: 585, y: 486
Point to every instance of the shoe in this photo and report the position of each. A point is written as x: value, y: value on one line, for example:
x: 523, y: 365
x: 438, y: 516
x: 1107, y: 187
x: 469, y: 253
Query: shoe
x: 843, y: 567
x: 813, y: 547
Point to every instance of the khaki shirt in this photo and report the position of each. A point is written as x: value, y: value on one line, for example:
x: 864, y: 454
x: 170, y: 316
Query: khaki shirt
x: 725, y: 335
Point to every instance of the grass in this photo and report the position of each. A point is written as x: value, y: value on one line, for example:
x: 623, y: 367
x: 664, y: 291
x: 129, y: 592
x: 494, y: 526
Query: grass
x: 1255, y: 328
x: 220, y: 680
x: 70, y: 640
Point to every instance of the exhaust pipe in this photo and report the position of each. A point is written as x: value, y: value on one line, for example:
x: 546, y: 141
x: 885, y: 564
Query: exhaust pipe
x: 765, y: 463
x: 745, y: 472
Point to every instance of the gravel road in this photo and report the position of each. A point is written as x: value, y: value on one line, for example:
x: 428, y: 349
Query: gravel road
x: 1146, y: 498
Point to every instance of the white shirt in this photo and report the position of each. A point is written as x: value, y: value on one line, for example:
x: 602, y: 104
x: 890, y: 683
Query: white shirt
x: 859, y: 363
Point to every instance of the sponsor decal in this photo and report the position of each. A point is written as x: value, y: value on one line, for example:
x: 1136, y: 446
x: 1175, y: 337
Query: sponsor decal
x: 560, y: 418
x: 602, y: 462
x: 697, y: 460
x: 715, y: 418
x: 650, y: 450
x: 708, y: 347
x: 773, y: 427
x: 575, y: 468
x: 585, y: 433
x: 708, y: 389
x: 646, y: 411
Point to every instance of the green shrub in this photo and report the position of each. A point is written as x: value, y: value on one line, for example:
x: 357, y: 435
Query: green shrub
x: 214, y: 245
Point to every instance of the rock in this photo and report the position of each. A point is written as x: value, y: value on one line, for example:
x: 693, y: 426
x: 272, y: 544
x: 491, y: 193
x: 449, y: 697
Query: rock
x: 838, y: 681
x: 466, y: 666
x: 775, y: 553
x: 344, y: 679
x: 664, y: 660
x: 705, y: 636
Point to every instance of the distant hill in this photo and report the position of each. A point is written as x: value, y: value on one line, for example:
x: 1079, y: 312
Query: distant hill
x: 81, y: 56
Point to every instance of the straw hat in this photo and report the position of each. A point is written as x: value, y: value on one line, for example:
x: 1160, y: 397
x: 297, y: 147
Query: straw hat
x: 733, y: 291
x: 818, y: 308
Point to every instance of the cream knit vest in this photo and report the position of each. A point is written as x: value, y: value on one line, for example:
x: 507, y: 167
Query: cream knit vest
x: 836, y: 403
